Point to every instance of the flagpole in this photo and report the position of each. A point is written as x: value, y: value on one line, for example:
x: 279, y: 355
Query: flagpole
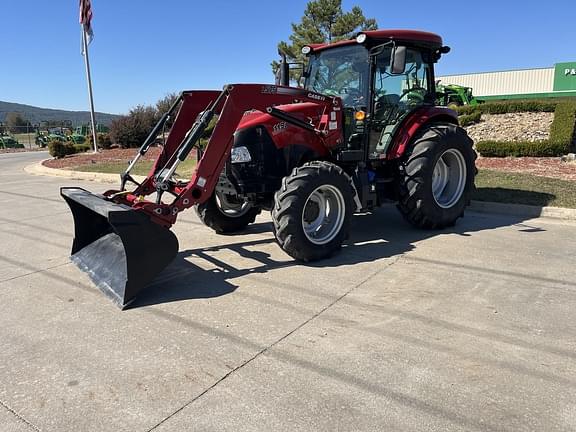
x: 91, y: 96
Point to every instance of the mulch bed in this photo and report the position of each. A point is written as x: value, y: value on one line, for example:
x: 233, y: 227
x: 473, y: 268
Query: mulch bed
x: 104, y: 156
x: 540, y: 166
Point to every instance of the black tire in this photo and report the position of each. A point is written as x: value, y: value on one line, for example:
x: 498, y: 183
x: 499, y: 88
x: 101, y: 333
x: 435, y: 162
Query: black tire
x: 417, y: 201
x: 298, y: 193
x: 215, y: 217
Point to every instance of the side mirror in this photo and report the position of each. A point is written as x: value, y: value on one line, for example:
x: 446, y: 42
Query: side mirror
x: 398, y: 60
x: 283, y: 77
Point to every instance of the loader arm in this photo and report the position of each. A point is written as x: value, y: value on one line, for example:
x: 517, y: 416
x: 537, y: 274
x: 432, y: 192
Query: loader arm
x: 122, y: 240
x: 196, y: 111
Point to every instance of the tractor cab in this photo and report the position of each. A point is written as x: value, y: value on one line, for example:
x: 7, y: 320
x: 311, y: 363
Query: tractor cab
x: 381, y: 77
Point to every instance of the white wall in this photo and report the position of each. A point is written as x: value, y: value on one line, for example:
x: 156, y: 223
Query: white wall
x: 505, y: 83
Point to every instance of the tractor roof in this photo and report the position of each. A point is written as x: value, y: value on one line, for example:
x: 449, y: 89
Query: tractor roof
x: 416, y: 37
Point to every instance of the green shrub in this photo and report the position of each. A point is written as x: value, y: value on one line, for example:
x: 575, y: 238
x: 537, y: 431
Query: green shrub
x: 466, y: 109
x: 131, y: 130
x: 104, y: 141
x: 562, y: 129
x: 59, y: 149
x: 561, y: 136
x: 468, y: 119
x: 82, y: 148
x: 511, y: 106
x: 520, y: 148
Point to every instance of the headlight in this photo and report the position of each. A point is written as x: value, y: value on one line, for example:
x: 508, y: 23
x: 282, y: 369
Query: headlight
x: 361, y: 38
x: 240, y: 155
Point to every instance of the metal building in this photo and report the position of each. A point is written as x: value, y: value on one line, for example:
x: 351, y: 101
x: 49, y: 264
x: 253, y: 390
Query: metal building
x: 557, y: 81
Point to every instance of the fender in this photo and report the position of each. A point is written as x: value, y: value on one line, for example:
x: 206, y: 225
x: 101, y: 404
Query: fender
x: 416, y: 120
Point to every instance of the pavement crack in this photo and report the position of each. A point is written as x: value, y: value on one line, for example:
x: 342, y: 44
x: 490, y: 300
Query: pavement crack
x: 278, y: 341
x: 19, y: 417
x: 33, y: 272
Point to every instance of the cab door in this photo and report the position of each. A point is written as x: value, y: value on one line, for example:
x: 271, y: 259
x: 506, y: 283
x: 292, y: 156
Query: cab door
x: 394, y: 96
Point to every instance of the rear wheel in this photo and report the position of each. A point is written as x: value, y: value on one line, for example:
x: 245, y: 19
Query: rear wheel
x: 437, y: 176
x: 225, y: 213
x: 312, y: 211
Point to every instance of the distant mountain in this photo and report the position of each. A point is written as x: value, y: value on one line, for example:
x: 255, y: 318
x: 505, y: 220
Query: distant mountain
x: 36, y: 115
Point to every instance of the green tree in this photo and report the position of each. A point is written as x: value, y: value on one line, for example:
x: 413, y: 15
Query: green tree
x: 15, y: 122
x: 131, y: 130
x: 324, y: 21
x: 163, y: 105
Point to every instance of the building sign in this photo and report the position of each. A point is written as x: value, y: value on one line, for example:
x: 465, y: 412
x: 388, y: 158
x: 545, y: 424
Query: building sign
x: 565, y: 76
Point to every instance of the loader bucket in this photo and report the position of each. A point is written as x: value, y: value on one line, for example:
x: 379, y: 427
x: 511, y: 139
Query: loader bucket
x: 119, y: 248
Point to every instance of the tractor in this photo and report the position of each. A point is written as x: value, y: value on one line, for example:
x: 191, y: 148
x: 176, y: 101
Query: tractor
x: 362, y: 131
x: 9, y: 142
x: 455, y: 95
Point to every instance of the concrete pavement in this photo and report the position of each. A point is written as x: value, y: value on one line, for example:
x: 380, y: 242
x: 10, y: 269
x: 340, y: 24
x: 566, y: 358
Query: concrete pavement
x: 465, y: 329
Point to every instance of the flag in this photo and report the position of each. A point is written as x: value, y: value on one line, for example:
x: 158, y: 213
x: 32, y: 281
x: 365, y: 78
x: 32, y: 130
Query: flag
x: 86, y: 18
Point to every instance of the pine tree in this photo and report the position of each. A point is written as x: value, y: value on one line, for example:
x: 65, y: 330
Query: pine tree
x: 324, y: 21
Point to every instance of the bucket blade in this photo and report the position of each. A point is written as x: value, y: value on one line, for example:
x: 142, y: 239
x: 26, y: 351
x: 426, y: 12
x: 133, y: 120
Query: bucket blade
x: 119, y: 248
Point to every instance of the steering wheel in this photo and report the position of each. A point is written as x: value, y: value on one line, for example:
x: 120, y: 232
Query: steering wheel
x: 330, y: 92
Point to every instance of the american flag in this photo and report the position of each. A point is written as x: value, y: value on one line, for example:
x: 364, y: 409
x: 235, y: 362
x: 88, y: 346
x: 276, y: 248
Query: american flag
x: 86, y: 18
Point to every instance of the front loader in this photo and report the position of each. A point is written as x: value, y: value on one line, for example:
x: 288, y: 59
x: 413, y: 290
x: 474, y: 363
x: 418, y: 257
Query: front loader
x: 362, y: 131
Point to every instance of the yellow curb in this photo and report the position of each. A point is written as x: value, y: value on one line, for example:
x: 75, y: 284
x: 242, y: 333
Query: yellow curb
x: 39, y: 169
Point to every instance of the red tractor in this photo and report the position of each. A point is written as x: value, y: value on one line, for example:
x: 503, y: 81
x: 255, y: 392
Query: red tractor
x: 364, y: 130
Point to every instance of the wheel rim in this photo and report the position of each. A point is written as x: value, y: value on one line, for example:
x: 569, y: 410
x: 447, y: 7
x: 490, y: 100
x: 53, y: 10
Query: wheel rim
x: 323, y: 214
x: 230, y: 207
x: 449, y: 178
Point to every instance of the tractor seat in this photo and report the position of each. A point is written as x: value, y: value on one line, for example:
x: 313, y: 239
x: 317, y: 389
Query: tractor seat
x: 385, y: 107
x: 388, y: 99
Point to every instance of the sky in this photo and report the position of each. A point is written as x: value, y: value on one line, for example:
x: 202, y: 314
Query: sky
x: 145, y: 49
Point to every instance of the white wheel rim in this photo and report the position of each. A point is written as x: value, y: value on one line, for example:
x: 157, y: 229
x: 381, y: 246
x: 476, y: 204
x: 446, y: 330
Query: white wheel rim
x: 323, y: 214
x: 449, y: 178
x: 230, y: 208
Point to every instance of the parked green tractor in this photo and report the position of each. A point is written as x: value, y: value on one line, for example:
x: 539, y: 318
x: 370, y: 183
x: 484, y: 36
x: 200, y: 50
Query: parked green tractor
x: 8, y: 142
x: 58, y: 134
x: 76, y: 138
x: 455, y: 95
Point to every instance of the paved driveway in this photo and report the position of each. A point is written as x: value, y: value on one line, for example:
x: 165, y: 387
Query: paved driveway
x: 465, y: 329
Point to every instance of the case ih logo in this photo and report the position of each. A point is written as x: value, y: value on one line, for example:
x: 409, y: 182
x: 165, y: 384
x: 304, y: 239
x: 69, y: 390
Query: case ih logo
x: 269, y: 89
x: 317, y: 97
x: 568, y: 71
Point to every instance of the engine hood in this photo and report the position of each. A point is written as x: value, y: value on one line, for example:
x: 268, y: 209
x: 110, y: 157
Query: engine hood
x: 305, y: 111
x: 283, y: 133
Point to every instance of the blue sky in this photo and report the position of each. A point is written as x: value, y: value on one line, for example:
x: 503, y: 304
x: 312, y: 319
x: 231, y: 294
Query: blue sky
x: 145, y: 49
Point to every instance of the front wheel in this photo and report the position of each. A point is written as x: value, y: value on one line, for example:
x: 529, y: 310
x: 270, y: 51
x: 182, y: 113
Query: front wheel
x: 225, y: 213
x: 312, y: 211
x: 436, y: 177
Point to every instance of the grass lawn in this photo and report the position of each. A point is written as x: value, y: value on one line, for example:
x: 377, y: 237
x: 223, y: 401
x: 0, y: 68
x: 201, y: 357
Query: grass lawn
x: 184, y: 170
x: 521, y: 188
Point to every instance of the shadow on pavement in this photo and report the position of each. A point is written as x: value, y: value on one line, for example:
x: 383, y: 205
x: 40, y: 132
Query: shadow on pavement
x: 513, y: 196
x: 374, y: 236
